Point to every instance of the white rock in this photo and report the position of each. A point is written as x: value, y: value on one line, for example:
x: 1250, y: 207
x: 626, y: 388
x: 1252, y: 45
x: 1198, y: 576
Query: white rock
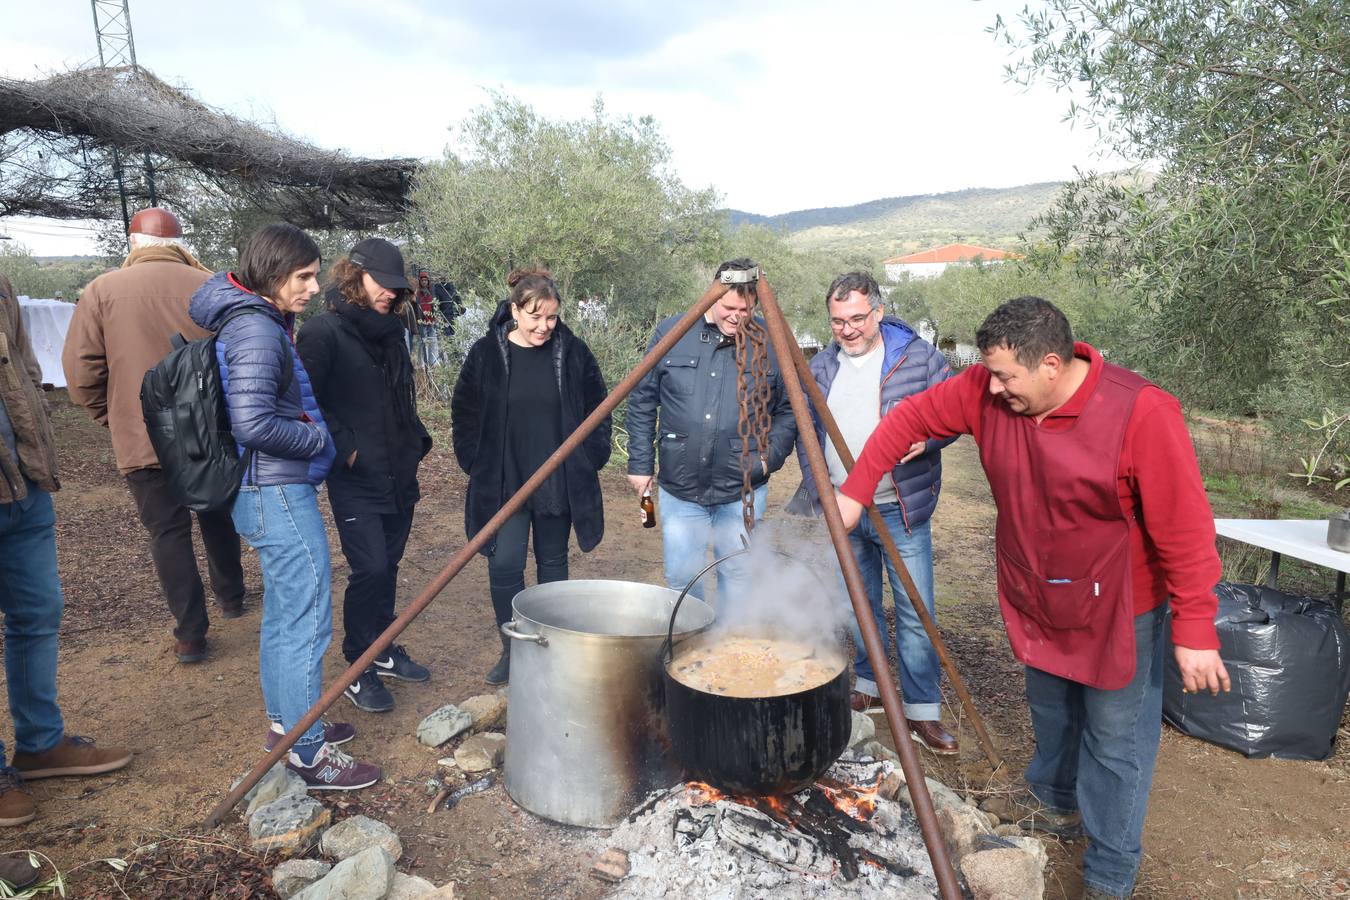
x: 443, y: 724
x: 488, y: 710
x: 864, y: 729
x: 290, y: 824
x: 481, y: 752
x: 368, y: 875
x: 294, y: 875
x: 352, y: 836
x: 961, y: 827
x: 277, y: 783
x: 1003, y: 874
x: 410, y: 887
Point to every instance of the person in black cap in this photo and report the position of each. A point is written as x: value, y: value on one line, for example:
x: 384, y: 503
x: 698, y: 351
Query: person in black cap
x: 357, y: 359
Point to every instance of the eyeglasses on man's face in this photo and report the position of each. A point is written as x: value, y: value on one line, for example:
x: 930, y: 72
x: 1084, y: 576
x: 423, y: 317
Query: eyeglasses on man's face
x: 852, y: 322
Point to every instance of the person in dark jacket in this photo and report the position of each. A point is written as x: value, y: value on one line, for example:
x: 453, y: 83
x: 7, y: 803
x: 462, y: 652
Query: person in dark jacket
x: 357, y: 359
x: 873, y: 363
x: 280, y: 430
x: 525, y: 386
x: 699, y: 480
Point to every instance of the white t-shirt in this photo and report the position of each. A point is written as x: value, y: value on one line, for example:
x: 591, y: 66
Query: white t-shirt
x: 855, y: 401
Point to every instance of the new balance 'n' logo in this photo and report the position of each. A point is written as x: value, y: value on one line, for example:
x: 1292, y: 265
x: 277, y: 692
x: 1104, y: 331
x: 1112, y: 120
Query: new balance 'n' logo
x: 329, y: 774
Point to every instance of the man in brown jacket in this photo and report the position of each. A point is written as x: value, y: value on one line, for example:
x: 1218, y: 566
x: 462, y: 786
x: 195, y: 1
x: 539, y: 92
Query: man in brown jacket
x: 30, y: 591
x: 122, y: 326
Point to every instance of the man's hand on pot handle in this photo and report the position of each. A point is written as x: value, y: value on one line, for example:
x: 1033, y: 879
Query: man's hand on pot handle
x: 1202, y: 670
x: 850, y: 509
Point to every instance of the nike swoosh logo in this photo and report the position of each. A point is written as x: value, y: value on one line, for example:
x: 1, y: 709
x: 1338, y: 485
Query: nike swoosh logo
x: 355, y: 687
x: 385, y: 664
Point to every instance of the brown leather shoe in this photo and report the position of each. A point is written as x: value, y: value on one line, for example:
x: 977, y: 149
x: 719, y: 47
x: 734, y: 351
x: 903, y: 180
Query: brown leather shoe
x: 861, y: 702
x: 16, y: 807
x: 18, y: 870
x: 71, y: 756
x: 933, y: 736
x: 190, y: 651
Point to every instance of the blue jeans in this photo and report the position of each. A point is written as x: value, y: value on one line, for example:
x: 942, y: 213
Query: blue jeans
x: 685, y: 531
x: 30, y: 598
x: 1095, y: 751
x: 283, y: 523
x: 920, y: 671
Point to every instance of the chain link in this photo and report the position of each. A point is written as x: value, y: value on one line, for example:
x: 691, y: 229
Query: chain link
x: 753, y: 391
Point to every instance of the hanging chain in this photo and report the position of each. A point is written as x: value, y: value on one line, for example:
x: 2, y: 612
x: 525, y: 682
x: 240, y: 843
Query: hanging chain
x: 753, y: 390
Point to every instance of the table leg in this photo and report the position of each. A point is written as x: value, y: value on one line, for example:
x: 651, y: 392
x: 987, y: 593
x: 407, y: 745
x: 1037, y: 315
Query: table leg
x: 1339, y: 596
x: 1274, y: 570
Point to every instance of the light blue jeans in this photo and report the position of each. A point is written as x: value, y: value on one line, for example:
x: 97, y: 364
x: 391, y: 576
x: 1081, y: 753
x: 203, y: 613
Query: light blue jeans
x: 687, y: 528
x: 920, y: 671
x: 283, y: 523
x: 30, y: 598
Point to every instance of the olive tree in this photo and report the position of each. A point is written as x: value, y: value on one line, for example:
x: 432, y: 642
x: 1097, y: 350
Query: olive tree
x: 594, y: 199
x: 1235, y: 254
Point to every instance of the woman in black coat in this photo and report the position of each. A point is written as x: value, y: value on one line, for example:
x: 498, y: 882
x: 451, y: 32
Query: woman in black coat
x: 526, y: 385
x: 356, y: 355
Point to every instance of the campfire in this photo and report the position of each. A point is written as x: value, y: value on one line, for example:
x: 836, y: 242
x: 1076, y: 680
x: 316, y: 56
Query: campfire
x: 846, y: 835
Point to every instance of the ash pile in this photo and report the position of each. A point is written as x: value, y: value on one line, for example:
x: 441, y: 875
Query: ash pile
x: 845, y: 836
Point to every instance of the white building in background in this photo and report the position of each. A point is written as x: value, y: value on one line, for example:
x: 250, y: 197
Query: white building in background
x: 932, y: 263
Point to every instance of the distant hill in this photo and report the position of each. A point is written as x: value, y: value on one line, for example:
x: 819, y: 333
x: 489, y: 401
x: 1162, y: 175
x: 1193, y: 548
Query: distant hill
x: 881, y: 228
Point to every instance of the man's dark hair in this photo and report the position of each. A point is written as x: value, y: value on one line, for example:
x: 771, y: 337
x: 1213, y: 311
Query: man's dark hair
x: 272, y: 253
x: 748, y: 290
x: 1030, y: 327
x: 849, y: 282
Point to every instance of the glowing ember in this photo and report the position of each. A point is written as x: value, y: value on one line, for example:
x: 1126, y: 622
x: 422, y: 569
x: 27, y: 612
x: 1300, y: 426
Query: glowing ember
x: 697, y: 793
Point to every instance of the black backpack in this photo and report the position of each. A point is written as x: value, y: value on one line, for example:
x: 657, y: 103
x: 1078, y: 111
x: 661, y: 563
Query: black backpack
x: 183, y: 402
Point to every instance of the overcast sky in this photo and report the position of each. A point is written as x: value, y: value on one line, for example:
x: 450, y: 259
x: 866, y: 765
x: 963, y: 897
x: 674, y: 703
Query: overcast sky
x: 864, y: 99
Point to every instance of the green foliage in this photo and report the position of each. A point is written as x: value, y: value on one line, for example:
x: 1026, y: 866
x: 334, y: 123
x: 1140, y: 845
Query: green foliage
x: 47, y: 278
x: 1235, y: 255
x: 594, y: 199
x: 957, y: 301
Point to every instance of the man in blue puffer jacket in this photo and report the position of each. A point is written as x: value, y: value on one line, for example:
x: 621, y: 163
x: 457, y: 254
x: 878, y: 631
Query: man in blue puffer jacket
x: 873, y: 363
x: 276, y: 420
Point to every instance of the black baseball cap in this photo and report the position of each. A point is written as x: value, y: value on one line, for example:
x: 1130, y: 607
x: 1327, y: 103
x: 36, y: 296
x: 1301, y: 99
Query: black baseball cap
x: 383, y: 261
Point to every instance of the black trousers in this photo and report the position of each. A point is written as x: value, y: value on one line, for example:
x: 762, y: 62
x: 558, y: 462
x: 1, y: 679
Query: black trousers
x: 373, y: 544
x: 506, y: 565
x: 170, y: 528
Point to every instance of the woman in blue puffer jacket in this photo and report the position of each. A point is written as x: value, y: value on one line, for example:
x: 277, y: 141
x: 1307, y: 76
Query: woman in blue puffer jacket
x: 277, y: 425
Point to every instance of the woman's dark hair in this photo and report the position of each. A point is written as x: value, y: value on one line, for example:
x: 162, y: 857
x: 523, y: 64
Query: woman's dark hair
x: 531, y: 286
x: 1030, y: 327
x: 749, y: 290
x: 346, y: 277
x: 272, y: 253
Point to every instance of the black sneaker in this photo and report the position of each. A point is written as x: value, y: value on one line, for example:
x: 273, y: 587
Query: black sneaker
x: 397, y: 664
x: 369, y: 693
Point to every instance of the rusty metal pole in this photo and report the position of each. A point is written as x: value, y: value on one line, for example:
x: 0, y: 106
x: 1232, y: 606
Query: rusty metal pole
x: 780, y: 335
x: 467, y: 552
x: 920, y: 608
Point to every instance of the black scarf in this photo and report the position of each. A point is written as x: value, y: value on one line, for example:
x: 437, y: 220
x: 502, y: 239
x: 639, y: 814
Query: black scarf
x: 385, y: 332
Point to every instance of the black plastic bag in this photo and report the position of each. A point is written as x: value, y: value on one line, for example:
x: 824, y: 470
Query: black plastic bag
x: 1289, y: 659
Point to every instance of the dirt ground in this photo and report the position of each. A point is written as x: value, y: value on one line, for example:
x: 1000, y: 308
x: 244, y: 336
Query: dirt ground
x: 1219, y: 826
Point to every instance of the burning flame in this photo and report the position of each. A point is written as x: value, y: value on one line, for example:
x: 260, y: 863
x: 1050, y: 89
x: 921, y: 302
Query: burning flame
x: 698, y: 793
x: 857, y: 800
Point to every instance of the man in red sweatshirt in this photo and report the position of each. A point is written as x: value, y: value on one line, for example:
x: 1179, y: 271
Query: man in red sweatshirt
x: 1102, y: 517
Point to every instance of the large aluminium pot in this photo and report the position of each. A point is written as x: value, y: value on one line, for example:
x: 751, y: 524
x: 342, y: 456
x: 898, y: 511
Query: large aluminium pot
x: 585, y: 734
x: 758, y: 745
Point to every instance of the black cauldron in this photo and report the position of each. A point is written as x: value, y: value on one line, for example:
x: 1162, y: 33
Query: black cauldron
x: 758, y: 745
x: 755, y: 745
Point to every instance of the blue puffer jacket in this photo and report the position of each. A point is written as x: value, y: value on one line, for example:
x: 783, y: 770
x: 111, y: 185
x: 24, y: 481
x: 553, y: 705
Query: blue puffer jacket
x: 910, y: 365
x: 275, y: 417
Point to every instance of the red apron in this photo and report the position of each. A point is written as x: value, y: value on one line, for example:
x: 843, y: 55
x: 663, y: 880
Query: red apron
x: 1065, y: 583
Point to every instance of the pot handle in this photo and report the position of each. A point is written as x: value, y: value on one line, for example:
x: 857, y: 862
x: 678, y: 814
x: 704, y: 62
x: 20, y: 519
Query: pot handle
x: 509, y: 629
